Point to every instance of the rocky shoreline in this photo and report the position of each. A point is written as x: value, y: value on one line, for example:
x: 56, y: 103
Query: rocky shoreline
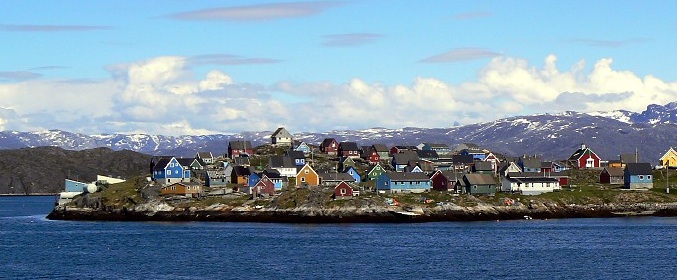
x: 363, y: 215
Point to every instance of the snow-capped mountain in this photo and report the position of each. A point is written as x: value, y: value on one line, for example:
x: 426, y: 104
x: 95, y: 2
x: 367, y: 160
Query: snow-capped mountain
x: 554, y: 136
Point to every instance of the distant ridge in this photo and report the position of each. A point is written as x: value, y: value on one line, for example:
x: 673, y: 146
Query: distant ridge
x: 554, y: 136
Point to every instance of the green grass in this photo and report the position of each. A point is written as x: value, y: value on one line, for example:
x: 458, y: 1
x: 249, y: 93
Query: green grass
x: 125, y: 194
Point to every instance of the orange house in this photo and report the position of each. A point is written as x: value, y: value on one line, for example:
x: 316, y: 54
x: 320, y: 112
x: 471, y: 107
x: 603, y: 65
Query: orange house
x: 307, y: 177
x: 185, y: 189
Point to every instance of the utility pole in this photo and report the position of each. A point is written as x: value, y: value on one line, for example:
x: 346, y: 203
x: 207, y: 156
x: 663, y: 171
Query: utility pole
x: 667, y: 181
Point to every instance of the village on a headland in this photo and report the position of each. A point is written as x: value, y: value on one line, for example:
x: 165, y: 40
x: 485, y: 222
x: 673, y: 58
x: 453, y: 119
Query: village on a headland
x: 347, y: 170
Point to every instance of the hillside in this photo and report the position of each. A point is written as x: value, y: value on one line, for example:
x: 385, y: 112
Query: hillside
x: 554, y: 136
x: 43, y: 169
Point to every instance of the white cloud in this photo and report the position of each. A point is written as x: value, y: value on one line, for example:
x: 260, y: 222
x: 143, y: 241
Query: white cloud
x: 162, y: 96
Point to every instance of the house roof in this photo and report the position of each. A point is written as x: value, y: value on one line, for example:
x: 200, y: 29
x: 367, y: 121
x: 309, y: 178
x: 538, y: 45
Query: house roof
x: 216, y: 173
x: 506, y: 165
x: 380, y: 148
x: 240, y: 145
x: 204, y: 155
x: 343, y: 160
x: 524, y: 174
x: 405, y: 157
x: 271, y: 174
x: 546, y: 164
x: 406, y: 148
x: 483, y: 166
x: 310, y: 168
x: 343, y: 184
x: 643, y: 168
x: 531, y: 162
x: 162, y: 163
x: 374, y: 167
x: 241, y: 160
x: 429, y: 154
x: 334, y: 176
x: 281, y: 132
x: 437, y: 146
x: 461, y: 159
x: 282, y: 162
x: 449, y: 174
x: 295, y: 154
x: 189, y: 161
x: 349, y: 146
x: 243, y: 170
x: 580, y: 152
x: 614, y: 171
x: 480, y: 179
x: 407, y: 176
x: 533, y: 180
x: 327, y: 141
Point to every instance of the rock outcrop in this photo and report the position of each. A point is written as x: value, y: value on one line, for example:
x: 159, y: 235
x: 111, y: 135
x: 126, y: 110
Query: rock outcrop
x: 160, y: 211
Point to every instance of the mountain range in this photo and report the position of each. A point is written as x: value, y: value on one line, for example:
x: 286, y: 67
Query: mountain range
x: 553, y: 136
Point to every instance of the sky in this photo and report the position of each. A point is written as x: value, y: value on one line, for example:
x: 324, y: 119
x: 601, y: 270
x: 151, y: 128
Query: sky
x: 176, y: 67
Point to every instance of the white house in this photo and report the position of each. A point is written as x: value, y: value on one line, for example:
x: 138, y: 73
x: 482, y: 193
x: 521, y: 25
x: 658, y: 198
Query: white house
x: 529, y: 185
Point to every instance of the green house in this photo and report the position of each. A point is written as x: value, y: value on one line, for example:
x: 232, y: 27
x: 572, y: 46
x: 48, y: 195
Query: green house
x: 479, y: 184
x: 374, y: 172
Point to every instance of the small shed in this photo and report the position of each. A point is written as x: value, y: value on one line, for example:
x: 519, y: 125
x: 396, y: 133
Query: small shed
x: 611, y: 175
x: 343, y: 191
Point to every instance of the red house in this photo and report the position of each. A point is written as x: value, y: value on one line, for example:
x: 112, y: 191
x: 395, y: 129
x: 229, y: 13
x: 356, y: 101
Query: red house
x: 372, y: 156
x: 562, y: 177
x: 329, y: 146
x: 584, y: 158
x: 264, y: 187
x: 239, y: 148
x: 399, y: 149
x: 349, y: 149
x: 444, y: 180
x: 343, y: 191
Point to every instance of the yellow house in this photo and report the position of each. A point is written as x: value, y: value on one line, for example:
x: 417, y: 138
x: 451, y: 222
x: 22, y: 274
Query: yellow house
x: 184, y: 189
x: 669, y: 159
x: 307, y: 177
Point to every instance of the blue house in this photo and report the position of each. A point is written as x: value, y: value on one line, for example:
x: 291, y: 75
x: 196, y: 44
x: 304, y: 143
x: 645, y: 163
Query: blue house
x: 353, y: 173
x: 75, y: 186
x: 403, y: 182
x: 638, y: 176
x: 298, y: 157
x: 253, y: 179
x: 169, y: 171
x: 301, y: 146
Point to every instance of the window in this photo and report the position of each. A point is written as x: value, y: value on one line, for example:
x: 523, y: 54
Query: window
x: 306, y: 172
x: 590, y: 162
x: 648, y: 177
x: 343, y: 191
x: 641, y: 177
x: 169, y: 172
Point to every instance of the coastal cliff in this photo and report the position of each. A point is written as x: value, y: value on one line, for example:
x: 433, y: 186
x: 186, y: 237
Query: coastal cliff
x: 133, y: 202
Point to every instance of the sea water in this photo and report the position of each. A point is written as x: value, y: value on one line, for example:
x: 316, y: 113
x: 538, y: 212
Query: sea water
x: 618, y: 248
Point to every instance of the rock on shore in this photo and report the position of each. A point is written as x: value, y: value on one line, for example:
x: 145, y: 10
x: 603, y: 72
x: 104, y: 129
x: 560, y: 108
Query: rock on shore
x: 159, y: 211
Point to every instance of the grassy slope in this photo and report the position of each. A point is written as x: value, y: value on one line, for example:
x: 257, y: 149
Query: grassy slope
x: 585, y: 191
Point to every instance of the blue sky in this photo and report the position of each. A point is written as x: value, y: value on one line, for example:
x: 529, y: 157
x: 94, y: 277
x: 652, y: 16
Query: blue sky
x: 203, y: 67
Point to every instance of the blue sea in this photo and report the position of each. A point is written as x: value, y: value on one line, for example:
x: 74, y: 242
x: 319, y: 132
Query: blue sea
x: 33, y: 247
